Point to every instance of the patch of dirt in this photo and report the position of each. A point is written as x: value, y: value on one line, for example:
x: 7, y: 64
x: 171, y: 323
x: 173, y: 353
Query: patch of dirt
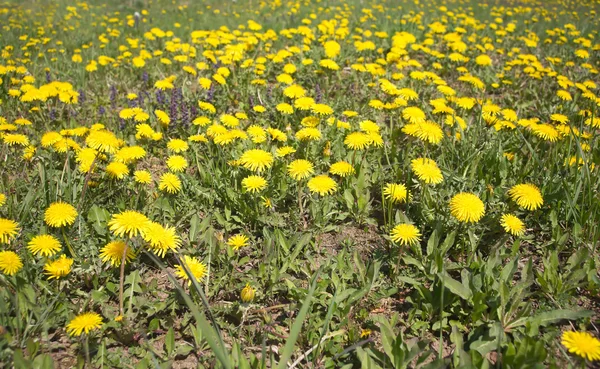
x: 366, y: 240
x: 447, y: 348
x: 62, y: 351
x: 155, y: 166
x: 189, y: 362
x: 164, y: 285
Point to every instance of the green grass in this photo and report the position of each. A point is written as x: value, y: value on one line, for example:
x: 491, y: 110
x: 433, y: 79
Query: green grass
x: 332, y: 287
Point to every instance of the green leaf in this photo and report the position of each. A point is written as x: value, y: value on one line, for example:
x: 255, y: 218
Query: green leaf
x: 433, y: 242
x: 43, y: 361
x: 349, y: 198
x: 365, y: 359
x: 19, y: 360
x: 143, y: 364
x: 210, y: 333
x: 388, y: 338
x: 455, y: 286
x: 98, y: 217
x: 170, y: 341
x: 448, y: 243
x: 554, y: 316
x: 484, y: 346
x: 184, y: 350
x: 509, y: 270
x: 194, y: 223
x: 288, y: 349
x: 32, y: 347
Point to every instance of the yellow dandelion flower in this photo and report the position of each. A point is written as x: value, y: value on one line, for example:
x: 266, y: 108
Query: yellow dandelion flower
x: 308, y: 134
x: 425, y: 131
x: 294, y: 91
x: 128, y: 222
x: 357, y: 140
x: 329, y: 64
x: 142, y: 177
x: 170, y: 183
x: 84, y: 323
x: 545, y: 131
x: 564, y: 95
x: 322, y: 184
x: 483, y: 60
x: 58, y: 268
x: 395, y: 192
x: 467, y: 207
x: 406, y: 234
x: 130, y: 154
x: 50, y: 138
x: 341, y: 168
x: 195, y: 266
x: 229, y: 120
x: 60, y: 214
x: 10, y: 262
x: 44, y: 245
x: 304, y: 103
x: 321, y: 109
x: 247, y: 294
x: 527, y: 196
x: 163, y: 117
x: 254, y: 183
x: 177, y: 145
x: 161, y: 239
x: 413, y: 114
x: 582, y: 344
x: 177, y: 163
x: 15, y: 139
x: 300, y: 169
x: 103, y: 141
x: 8, y: 230
x: 112, y: 253
x: 512, y: 224
x: 237, y: 241
x: 285, y: 108
x: 201, y: 121
x: 426, y: 170
x: 256, y: 160
x: 117, y: 170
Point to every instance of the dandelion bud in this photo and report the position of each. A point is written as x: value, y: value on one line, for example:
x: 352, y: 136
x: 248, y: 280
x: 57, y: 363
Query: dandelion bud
x: 327, y: 149
x: 247, y: 294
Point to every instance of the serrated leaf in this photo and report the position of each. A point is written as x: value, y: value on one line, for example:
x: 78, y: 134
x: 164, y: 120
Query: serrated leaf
x: 554, y: 316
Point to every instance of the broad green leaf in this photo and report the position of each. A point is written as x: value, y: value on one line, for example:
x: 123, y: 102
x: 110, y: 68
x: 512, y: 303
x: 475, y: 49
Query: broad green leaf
x: 365, y: 360
x: 194, y: 225
x: 170, y: 341
x: 455, y: 286
x: 433, y: 242
x: 43, y: 361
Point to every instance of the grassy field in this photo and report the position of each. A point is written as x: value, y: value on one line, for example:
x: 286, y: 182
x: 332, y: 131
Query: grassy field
x: 299, y: 184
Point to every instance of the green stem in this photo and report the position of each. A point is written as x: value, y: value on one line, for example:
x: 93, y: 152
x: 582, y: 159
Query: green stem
x: 122, y: 280
x: 87, y: 349
x: 71, y: 251
x: 300, y: 206
x: 440, y: 344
